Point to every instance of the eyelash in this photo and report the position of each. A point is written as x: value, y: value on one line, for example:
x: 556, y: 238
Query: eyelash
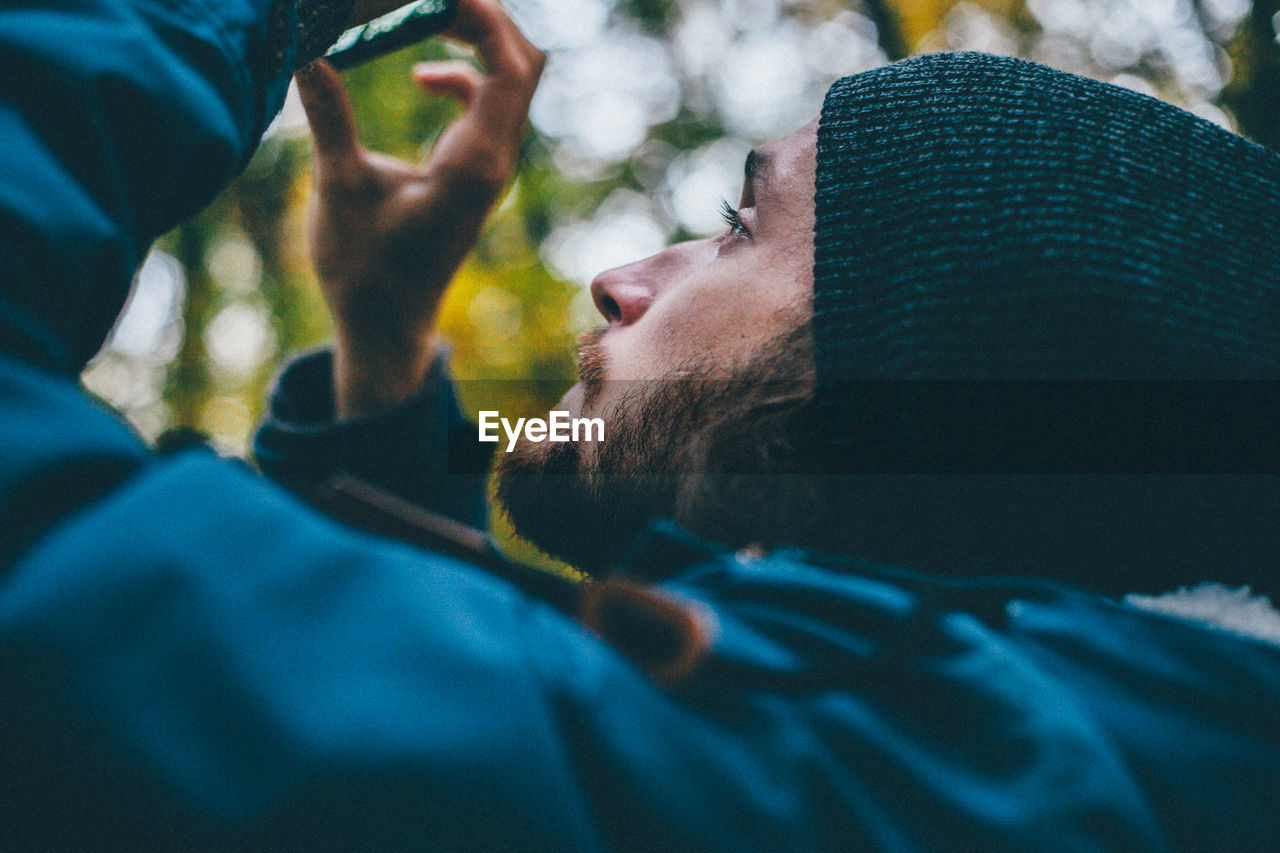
x: 730, y: 216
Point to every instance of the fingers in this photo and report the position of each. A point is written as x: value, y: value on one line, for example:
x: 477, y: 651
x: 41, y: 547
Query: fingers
x: 512, y: 64
x: 478, y: 153
x: 484, y: 25
x: 329, y: 114
x: 458, y: 80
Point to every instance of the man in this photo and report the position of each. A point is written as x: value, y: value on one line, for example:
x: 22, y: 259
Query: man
x: 1069, y: 246
x: 194, y: 659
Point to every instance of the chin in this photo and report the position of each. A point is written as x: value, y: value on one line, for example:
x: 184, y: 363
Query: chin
x: 545, y: 497
x: 573, y: 504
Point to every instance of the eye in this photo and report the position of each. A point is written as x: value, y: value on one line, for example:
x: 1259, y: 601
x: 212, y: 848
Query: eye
x: 730, y: 216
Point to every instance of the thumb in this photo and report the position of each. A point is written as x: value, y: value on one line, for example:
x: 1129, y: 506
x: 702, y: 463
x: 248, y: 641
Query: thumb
x: 329, y: 113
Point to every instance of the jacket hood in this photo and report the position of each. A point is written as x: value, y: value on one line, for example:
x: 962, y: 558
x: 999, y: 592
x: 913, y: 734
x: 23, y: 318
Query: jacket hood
x: 105, y: 151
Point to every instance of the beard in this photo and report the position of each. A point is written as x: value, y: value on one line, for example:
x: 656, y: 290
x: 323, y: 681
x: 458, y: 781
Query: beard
x: 731, y: 460
x: 741, y: 462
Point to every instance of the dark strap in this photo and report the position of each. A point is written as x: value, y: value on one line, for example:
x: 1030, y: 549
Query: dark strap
x: 660, y: 635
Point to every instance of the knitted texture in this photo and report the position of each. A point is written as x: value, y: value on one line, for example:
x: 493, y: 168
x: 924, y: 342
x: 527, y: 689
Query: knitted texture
x: 981, y: 217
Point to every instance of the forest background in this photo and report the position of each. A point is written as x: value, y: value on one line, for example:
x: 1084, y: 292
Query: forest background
x: 639, y: 129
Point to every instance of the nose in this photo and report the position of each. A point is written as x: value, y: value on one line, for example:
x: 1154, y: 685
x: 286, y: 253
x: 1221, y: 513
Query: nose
x: 623, y: 294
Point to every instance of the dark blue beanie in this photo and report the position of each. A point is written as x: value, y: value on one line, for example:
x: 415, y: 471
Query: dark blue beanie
x: 983, y: 223
x: 988, y: 218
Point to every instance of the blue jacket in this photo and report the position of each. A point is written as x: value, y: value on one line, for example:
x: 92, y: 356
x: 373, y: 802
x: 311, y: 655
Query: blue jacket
x: 191, y: 658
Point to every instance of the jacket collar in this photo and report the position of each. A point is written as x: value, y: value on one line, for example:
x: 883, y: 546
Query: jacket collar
x: 664, y: 550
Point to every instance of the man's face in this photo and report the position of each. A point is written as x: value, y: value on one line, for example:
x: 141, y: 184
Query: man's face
x: 692, y: 333
x: 709, y: 305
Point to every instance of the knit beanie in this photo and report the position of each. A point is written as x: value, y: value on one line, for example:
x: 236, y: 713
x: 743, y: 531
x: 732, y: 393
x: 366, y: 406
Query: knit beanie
x: 983, y: 221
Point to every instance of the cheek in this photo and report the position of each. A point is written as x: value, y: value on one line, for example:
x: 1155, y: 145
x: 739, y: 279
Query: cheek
x: 714, y: 327
x: 714, y: 318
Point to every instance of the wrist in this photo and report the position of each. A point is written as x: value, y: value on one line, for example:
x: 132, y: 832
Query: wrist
x: 372, y: 376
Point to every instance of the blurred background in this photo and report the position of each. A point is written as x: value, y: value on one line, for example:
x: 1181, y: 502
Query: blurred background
x: 639, y: 128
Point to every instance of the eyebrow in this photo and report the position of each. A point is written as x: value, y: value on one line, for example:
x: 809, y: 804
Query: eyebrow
x: 755, y: 167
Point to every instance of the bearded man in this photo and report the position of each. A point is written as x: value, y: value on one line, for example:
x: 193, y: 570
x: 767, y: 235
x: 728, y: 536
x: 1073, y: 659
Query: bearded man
x: 194, y: 658
x: 894, y: 400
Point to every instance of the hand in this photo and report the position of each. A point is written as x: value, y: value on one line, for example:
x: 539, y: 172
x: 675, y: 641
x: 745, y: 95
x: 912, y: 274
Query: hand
x: 388, y: 237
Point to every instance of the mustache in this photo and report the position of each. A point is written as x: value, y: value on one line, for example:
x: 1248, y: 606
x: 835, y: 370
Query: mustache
x: 591, y: 361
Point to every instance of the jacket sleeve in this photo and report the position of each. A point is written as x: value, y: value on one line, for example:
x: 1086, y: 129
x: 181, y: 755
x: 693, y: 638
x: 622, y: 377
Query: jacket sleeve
x: 196, y: 661
x: 191, y: 659
x: 423, y: 450
x: 118, y: 120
